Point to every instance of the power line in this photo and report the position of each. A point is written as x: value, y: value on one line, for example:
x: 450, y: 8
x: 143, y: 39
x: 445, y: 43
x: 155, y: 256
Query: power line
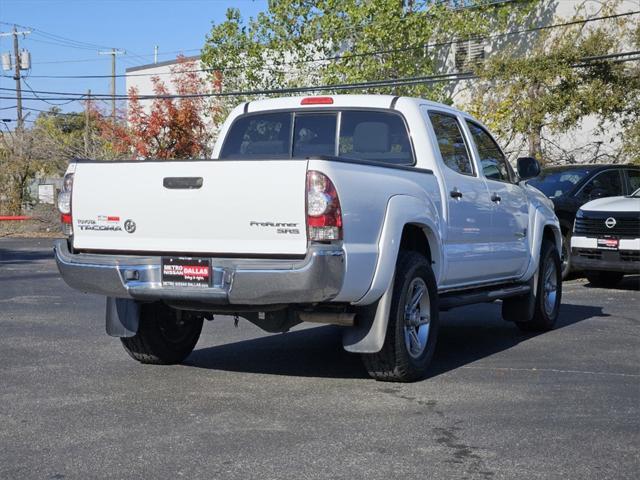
x: 60, y: 39
x: 83, y: 60
x: 45, y: 100
x: 620, y: 56
x: 355, y: 55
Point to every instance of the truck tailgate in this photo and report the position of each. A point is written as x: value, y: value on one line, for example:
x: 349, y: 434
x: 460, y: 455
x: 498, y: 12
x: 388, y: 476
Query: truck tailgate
x: 192, y: 207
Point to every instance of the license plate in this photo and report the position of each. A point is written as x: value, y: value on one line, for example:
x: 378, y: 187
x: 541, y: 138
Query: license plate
x: 186, y: 272
x: 608, y: 243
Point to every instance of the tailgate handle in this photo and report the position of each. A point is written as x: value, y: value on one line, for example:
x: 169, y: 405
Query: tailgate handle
x: 182, y: 182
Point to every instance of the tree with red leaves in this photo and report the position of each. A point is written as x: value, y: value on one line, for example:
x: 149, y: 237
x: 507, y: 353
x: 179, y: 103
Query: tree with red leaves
x: 164, y: 127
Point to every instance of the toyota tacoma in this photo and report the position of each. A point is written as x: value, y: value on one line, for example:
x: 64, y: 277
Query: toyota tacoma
x: 367, y: 211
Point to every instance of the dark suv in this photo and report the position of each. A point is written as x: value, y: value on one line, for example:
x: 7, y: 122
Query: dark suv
x: 569, y: 187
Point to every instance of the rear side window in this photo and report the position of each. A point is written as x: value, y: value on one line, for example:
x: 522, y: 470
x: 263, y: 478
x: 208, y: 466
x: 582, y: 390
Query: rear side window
x: 259, y: 136
x: 453, y: 150
x: 376, y: 136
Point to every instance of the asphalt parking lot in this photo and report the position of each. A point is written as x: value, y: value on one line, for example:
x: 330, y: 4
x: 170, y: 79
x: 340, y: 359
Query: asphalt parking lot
x: 498, y: 403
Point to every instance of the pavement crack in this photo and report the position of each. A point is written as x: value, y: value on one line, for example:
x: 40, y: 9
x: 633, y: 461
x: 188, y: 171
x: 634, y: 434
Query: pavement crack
x: 461, y: 453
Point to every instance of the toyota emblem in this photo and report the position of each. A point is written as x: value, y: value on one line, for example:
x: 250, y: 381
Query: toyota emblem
x: 610, y: 222
x: 130, y: 226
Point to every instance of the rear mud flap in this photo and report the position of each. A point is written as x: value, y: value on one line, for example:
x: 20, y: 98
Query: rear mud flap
x: 123, y: 317
x: 371, y: 326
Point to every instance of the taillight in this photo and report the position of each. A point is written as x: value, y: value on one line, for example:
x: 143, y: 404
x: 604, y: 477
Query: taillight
x: 324, y: 217
x: 64, y: 204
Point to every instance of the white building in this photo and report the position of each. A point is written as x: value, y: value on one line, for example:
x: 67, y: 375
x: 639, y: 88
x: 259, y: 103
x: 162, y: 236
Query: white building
x: 141, y: 77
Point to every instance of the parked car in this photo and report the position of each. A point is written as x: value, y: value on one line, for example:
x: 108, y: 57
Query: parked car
x: 570, y: 187
x: 606, y: 239
x: 372, y: 212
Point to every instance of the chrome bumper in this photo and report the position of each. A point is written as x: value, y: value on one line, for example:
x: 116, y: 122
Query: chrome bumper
x: 316, y: 278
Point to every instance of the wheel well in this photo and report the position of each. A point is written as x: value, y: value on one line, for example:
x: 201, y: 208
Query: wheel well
x: 553, y: 236
x: 414, y: 239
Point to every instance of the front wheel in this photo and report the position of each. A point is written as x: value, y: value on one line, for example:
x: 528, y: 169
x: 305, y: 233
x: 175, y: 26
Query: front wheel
x: 546, y: 301
x: 165, y: 336
x: 412, y: 329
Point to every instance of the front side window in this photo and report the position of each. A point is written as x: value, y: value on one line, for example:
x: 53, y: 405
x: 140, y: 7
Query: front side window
x: 605, y: 184
x: 494, y: 164
x: 453, y: 149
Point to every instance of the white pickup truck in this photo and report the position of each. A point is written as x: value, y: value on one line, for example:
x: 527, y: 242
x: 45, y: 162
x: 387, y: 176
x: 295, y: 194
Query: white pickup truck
x: 371, y: 212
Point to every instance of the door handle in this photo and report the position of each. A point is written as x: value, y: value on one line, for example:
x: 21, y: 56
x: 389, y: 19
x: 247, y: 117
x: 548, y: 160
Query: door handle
x: 495, y: 198
x: 186, y: 183
x: 455, y: 193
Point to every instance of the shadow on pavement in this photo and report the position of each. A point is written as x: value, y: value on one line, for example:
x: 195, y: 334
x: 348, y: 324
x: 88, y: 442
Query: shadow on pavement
x: 17, y: 257
x: 466, y: 335
x: 313, y: 352
x: 629, y: 282
x: 465, y: 340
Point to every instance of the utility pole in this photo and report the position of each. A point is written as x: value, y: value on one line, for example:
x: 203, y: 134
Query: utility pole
x: 113, y: 52
x: 17, y: 67
x: 86, y: 124
x: 16, y: 56
x: 155, y: 54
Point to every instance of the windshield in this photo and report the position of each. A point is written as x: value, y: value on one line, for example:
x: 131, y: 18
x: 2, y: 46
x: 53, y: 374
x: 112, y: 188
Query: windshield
x: 363, y: 135
x: 555, y: 183
x: 636, y: 194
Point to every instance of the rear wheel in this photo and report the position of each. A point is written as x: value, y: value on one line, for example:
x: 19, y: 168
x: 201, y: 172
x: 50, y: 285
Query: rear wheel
x: 412, y: 329
x: 165, y: 336
x: 604, y: 279
x: 548, y: 294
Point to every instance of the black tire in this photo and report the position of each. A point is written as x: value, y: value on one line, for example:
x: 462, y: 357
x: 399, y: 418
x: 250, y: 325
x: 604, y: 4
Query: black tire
x: 604, y: 279
x: 165, y: 336
x: 394, y: 362
x: 566, y: 255
x: 544, y: 318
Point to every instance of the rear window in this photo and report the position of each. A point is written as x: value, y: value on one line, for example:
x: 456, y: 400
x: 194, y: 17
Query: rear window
x: 364, y: 135
x: 259, y: 136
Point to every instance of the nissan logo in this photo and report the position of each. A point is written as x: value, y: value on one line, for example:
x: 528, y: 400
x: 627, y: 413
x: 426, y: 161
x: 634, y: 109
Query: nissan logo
x: 610, y: 222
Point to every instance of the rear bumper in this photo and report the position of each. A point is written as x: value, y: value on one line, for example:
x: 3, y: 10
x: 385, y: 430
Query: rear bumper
x: 626, y: 261
x: 316, y: 278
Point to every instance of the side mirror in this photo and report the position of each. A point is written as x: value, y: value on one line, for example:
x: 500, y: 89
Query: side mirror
x: 528, y: 167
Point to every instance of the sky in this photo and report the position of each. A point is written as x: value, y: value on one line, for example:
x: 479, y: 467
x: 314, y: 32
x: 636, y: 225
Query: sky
x: 133, y: 25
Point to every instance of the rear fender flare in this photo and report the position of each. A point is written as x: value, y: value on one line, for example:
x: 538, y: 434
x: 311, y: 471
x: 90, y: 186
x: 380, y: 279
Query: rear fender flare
x: 368, y: 336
